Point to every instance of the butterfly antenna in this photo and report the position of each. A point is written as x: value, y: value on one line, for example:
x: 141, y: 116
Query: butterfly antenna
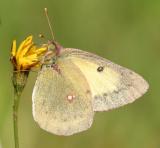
x: 49, y: 22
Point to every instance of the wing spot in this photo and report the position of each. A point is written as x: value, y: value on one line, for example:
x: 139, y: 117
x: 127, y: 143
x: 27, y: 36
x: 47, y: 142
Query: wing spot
x: 70, y: 98
x: 88, y: 92
x: 129, y: 84
x: 100, y: 68
x: 96, y: 97
x: 116, y: 91
x: 105, y: 94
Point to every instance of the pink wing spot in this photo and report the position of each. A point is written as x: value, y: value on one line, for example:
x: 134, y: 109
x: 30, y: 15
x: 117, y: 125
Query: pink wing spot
x: 70, y: 98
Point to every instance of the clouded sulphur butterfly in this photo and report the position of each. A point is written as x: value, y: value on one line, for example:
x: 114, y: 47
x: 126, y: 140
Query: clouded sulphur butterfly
x: 75, y: 84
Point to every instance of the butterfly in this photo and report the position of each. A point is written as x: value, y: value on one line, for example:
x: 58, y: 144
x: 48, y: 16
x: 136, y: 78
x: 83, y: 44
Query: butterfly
x: 73, y: 84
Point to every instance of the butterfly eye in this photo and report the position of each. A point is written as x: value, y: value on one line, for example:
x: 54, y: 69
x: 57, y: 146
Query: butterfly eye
x: 100, y: 68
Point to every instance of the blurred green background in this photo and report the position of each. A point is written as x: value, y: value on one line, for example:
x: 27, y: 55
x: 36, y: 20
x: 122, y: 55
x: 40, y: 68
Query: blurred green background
x: 124, y: 31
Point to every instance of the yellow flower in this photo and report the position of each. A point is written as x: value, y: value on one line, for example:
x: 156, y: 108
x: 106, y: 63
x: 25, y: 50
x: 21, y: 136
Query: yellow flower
x: 27, y: 55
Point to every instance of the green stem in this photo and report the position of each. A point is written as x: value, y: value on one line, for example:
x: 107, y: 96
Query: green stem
x: 15, y: 118
x: 19, y: 80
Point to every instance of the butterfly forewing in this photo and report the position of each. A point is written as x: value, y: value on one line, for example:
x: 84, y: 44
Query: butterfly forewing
x: 62, y: 101
x: 111, y: 85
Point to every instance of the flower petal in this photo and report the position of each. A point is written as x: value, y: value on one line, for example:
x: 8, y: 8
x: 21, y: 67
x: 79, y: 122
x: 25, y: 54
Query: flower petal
x: 32, y: 50
x: 28, y: 55
x: 13, y: 49
x: 41, y: 50
x: 24, y: 47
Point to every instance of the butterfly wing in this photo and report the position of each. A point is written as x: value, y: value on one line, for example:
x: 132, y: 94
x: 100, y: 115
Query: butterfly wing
x: 62, y: 103
x: 111, y: 85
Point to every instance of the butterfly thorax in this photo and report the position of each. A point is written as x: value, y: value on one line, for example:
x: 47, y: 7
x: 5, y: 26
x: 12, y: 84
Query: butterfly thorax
x: 52, y: 55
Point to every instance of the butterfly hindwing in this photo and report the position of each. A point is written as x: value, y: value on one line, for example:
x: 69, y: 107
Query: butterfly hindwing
x: 111, y: 85
x: 62, y: 102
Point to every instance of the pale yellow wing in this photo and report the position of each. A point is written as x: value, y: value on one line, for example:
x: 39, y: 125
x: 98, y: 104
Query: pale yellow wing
x: 62, y: 103
x: 111, y: 85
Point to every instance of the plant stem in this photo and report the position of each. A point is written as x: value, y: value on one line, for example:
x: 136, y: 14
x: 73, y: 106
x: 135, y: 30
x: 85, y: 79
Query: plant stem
x: 19, y: 80
x: 15, y: 118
